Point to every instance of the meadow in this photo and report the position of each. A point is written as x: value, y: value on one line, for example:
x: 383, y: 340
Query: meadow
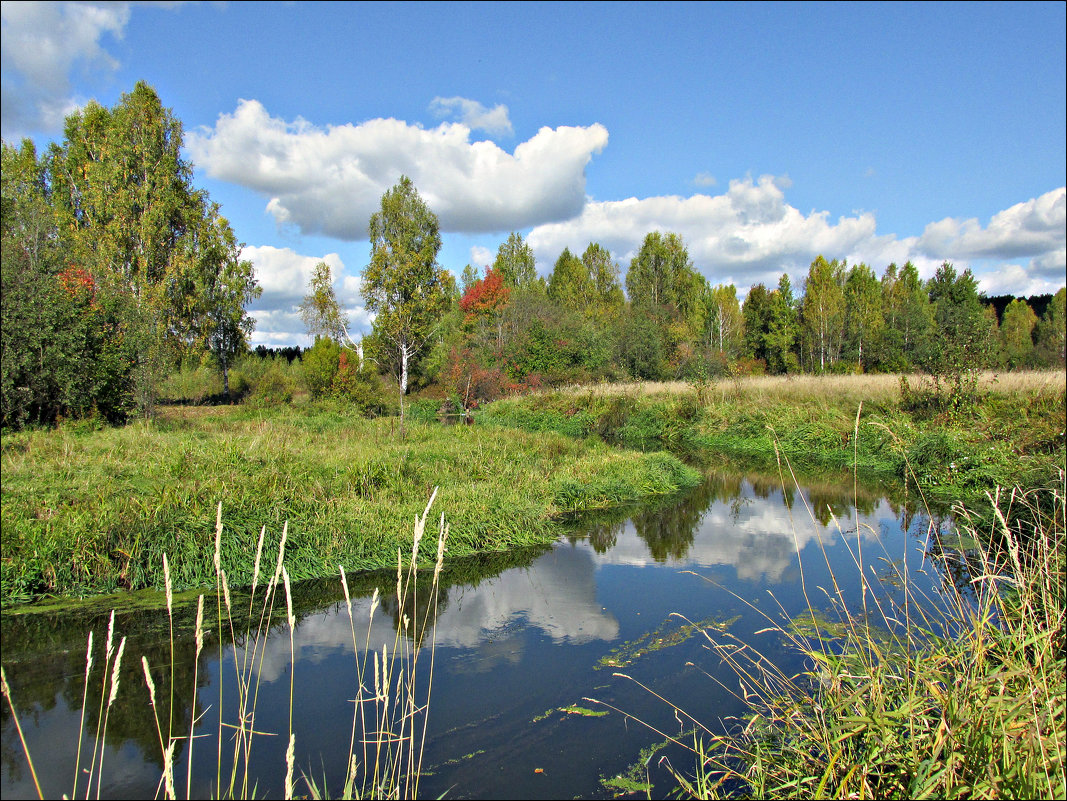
x: 93, y: 511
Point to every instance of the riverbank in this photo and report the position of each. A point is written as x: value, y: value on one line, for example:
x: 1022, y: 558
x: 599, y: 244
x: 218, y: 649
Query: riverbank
x: 1008, y: 432
x: 88, y: 512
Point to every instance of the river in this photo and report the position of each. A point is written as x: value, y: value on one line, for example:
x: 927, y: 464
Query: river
x: 527, y: 645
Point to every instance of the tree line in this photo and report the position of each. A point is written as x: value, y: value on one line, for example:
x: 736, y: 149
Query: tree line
x: 506, y: 329
x: 118, y: 271
x: 115, y: 267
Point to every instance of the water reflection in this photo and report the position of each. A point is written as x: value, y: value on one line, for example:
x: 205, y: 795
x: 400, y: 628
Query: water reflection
x: 528, y: 626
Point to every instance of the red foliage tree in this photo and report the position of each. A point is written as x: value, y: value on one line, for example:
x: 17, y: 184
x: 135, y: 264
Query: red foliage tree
x: 487, y: 296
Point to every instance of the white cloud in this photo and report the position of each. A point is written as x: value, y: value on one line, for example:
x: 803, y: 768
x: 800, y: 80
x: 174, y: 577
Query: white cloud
x: 704, y: 179
x: 285, y: 274
x: 473, y: 114
x: 744, y: 235
x: 41, y: 44
x: 1033, y: 228
x: 481, y: 257
x: 750, y: 234
x: 331, y: 180
x: 1044, y: 275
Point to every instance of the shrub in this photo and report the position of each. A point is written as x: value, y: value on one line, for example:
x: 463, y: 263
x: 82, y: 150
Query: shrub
x: 274, y: 387
x: 360, y: 387
x: 320, y: 364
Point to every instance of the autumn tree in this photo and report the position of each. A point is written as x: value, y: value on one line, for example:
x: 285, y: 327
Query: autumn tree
x: 484, y: 302
x: 403, y: 285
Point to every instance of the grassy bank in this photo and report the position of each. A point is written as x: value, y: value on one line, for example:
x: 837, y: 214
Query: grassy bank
x: 1010, y: 432
x: 93, y: 511
x: 962, y: 696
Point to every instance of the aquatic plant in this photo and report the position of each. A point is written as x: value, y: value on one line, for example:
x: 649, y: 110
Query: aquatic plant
x: 962, y: 694
x: 390, y: 712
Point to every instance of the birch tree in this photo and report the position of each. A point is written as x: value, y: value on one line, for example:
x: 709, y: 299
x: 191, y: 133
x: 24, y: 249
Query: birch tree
x: 403, y: 285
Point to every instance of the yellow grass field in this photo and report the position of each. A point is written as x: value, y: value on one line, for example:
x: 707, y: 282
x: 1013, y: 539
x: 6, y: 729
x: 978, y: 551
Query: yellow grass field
x: 844, y: 387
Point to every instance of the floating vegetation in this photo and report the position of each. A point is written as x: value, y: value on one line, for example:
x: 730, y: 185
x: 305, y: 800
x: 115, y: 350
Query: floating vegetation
x: 662, y: 637
x: 634, y: 780
x: 464, y: 758
x: 573, y: 709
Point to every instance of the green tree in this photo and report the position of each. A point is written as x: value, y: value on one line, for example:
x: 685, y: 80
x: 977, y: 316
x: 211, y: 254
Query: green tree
x: 127, y: 212
x: 639, y: 348
x: 320, y: 310
x: 1052, y: 332
x: 515, y: 262
x: 756, y: 315
x: 782, y: 329
x: 863, y: 313
x: 227, y: 286
x: 321, y: 362
x: 908, y: 318
x: 468, y: 278
x: 1017, y: 333
x: 723, y: 320
x: 661, y: 283
x: 962, y: 328
x: 657, y: 274
x: 61, y: 344
x: 569, y: 285
x: 403, y: 285
x: 822, y: 312
x: 603, y: 271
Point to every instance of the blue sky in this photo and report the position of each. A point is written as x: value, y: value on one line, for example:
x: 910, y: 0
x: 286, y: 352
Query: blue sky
x: 764, y: 134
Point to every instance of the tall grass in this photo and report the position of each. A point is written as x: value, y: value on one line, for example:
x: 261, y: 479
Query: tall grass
x: 390, y: 712
x: 958, y: 695
x: 851, y: 388
x: 94, y: 512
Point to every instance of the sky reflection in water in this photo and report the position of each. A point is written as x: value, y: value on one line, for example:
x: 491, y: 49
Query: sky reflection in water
x: 511, y: 646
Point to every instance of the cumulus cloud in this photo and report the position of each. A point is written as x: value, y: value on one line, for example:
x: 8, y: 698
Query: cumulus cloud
x: 751, y: 234
x: 41, y: 44
x: 473, y: 114
x: 1044, y: 275
x: 1032, y: 228
x: 481, y: 257
x: 747, y: 233
x: 704, y: 179
x: 330, y: 180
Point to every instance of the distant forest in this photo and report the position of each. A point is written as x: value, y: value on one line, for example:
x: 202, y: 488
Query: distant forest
x: 119, y: 273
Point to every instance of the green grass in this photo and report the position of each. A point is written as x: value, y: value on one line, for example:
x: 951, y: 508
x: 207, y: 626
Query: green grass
x: 93, y: 511
x: 1012, y: 435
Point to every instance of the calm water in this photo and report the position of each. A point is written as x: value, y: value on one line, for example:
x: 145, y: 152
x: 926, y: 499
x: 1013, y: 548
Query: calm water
x: 518, y: 638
